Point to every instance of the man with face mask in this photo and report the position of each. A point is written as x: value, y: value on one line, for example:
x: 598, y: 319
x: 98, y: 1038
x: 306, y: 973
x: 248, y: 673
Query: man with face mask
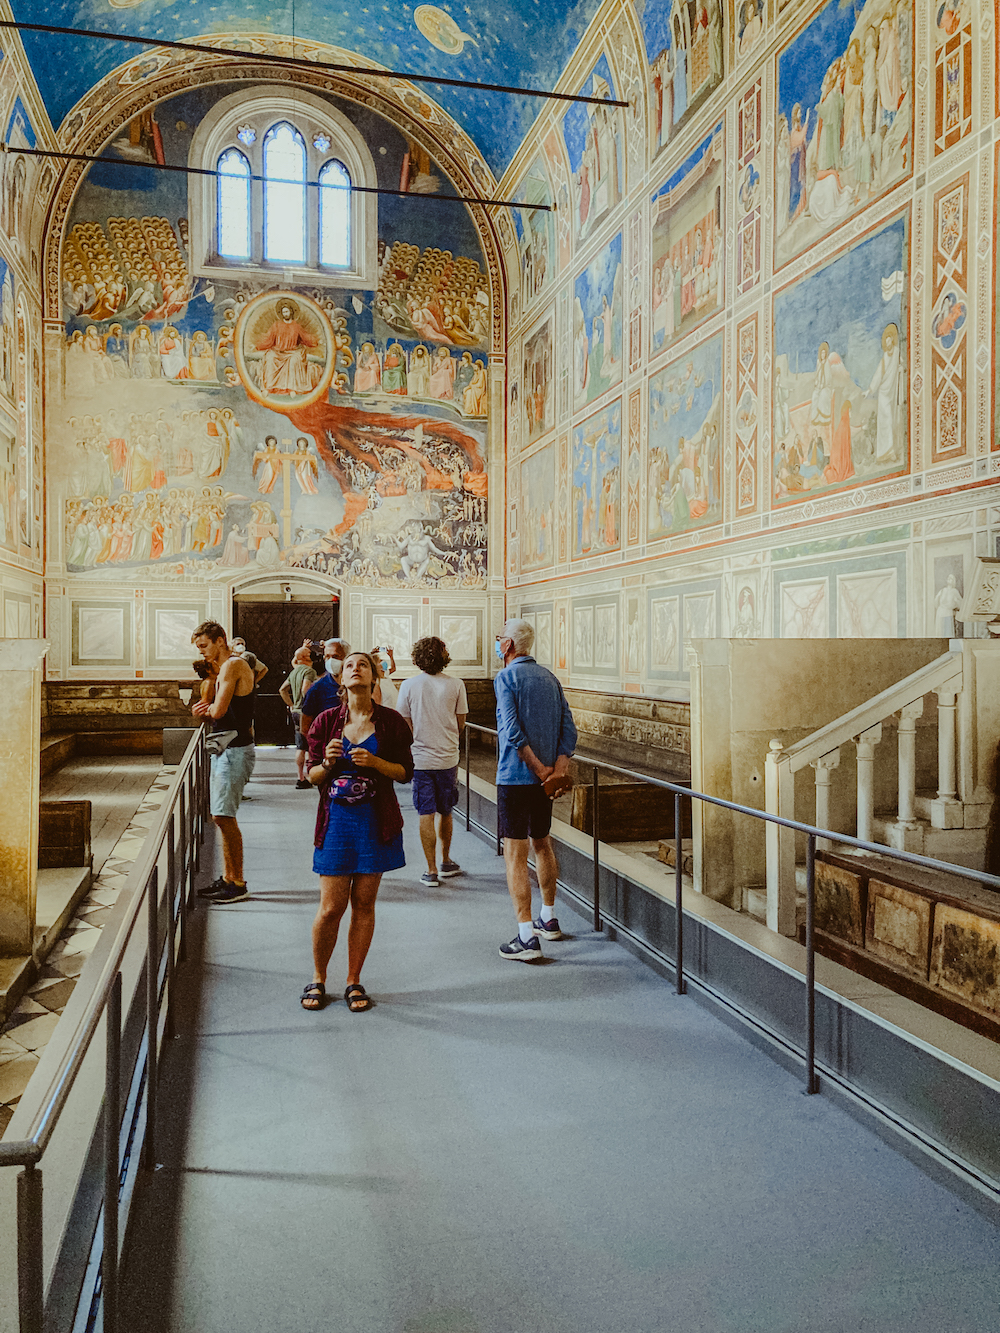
x: 326, y: 692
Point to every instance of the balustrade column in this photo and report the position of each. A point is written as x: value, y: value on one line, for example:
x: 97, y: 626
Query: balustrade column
x: 866, y: 743
x: 906, y: 833
x: 946, y: 808
x: 824, y: 767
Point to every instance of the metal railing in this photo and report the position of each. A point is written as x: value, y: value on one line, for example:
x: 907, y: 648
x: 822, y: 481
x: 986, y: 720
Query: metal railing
x: 184, y: 810
x: 811, y: 832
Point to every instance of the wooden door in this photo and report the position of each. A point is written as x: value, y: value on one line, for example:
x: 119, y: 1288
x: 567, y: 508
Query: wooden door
x: 273, y: 631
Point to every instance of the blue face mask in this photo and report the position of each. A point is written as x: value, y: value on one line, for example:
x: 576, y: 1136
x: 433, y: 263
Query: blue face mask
x: 499, y: 650
x: 385, y: 664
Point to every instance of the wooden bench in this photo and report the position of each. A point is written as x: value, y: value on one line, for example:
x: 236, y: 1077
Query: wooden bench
x: 63, y: 834
x: 629, y: 812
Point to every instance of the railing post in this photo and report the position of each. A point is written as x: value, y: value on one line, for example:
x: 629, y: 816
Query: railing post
x: 906, y: 833
x: 152, y: 1017
x: 866, y: 743
x: 946, y: 808
x: 681, y: 984
x: 169, y: 1030
x: 196, y: 807
x: 595, y: 808
x: 112, y: 1163
x: 468, y: 785
x: 30, y: 1261
x: 811, y: 1082
x: 779, y: 799
x: 182, y: 901
x: 824, y: 767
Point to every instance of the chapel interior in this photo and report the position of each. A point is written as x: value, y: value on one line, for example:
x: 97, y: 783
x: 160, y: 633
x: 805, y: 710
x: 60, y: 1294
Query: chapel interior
x: 665, y: 325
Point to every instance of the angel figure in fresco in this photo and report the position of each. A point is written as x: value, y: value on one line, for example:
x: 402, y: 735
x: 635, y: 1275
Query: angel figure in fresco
x: 268, y: 460
x: 306, y: 467
x: 285, y: 368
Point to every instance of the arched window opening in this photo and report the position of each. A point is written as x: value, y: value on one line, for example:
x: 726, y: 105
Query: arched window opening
x: 284, y: 195
x: 233, y: 216
x: 335, y: 215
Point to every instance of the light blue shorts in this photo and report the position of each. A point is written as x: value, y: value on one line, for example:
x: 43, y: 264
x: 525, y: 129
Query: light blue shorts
x: 230, y: 773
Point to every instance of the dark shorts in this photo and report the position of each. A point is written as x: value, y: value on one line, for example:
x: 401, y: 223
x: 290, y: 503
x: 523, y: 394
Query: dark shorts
x: 300, y: 741
x: 524, y: 812
x: 435, y: 790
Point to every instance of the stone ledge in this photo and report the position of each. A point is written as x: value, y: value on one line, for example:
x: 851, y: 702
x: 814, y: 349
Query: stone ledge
x: 59, y: 892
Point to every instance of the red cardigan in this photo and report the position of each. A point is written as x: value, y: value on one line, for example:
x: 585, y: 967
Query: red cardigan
x: 394, y: 739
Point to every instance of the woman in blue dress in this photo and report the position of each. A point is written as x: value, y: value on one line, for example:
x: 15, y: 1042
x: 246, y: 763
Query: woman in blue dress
x: 356, y: 752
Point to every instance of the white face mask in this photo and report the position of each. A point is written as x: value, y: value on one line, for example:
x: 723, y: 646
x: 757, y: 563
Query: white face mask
x: 334, y: 665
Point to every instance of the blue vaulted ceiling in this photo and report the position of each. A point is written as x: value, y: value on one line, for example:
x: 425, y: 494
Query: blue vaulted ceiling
x: 517, y: 42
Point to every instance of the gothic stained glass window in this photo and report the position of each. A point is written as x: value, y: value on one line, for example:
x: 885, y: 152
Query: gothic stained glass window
x: 284, y: 195
x: 233, y: 222
x: 335, y: 215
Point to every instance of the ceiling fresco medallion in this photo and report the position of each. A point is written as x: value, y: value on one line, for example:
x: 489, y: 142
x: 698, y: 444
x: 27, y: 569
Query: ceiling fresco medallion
x: 441, y: 30
x: 285, y: 350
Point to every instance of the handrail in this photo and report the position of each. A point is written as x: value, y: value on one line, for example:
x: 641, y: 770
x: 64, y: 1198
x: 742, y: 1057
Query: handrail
x: 183, y: 809
x: 24, y: 1151
x: 812, y: 833
x: 944, y: 670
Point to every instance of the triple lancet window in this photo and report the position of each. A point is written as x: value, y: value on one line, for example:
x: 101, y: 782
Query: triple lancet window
x: 282, y: 189
x: 291, y: 231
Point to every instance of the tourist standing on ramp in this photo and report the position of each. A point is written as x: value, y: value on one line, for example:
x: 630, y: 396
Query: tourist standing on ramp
x: 536, y: 737
x: 232, y: 753
x: 356, y: 752
x: 293, y: 691
x: 436, y: 707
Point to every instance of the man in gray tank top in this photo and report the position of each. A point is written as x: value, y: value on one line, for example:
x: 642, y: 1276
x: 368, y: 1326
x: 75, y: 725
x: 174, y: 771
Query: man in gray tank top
x: 230, y: 713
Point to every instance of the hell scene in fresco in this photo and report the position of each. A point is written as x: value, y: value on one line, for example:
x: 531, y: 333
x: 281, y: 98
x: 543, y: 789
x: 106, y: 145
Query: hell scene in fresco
x: 845, y: 118
x: 538, y: 498
x: 685, y: 45
x: 593, y: 137
x: 597, y: 455
x: 211, y: 424
x: 684, y: 468
x: 839, y: 393
x: 536, y: 234
x: 597, y: 325
x: 539, y: 380
x: 688, y: 263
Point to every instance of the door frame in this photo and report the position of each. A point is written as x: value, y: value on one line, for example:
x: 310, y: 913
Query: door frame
x: 245, y: 583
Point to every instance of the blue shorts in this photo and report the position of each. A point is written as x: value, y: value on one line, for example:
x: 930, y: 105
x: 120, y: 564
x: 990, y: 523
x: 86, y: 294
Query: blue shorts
x: 230, y: 773
x: 523, y: 812
x: 435, y: 790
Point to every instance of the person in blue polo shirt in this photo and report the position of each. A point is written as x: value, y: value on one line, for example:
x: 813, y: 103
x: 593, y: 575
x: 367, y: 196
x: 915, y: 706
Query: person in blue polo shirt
x: 326, y: 692
x: 536, y: 740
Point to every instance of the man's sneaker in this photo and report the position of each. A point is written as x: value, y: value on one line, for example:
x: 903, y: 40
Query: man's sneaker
x: 449, y: 868
x: 232, y: 893
x: 524, y: 953
x: 549, y: 930
x: 213, y: 890
x: 303, y: 785
x: 430, y: 880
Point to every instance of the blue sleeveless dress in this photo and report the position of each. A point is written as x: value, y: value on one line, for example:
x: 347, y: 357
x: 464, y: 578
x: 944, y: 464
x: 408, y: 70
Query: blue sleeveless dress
x: 352, y: 845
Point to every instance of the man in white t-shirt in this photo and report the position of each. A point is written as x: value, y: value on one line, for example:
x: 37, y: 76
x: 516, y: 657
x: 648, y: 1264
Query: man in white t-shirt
x: 436, y: 706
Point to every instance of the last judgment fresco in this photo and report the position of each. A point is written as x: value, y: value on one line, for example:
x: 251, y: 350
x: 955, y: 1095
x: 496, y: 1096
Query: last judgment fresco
x: 212, y: 422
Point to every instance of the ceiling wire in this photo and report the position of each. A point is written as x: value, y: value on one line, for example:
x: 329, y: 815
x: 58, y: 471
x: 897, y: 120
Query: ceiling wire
x: 91, y: 158
x: 312, y: 65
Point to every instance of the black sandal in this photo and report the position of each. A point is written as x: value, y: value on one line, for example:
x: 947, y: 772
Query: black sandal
x: 358, y: 999
x: 314, y: 991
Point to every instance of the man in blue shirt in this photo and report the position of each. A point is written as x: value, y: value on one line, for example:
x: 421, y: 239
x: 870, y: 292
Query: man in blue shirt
x: 326, y: 692
x: 536, y: 739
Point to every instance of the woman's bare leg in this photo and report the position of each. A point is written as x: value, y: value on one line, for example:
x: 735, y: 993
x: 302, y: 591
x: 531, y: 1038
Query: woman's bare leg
x: 334, y: 895
x: 359, y: 936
